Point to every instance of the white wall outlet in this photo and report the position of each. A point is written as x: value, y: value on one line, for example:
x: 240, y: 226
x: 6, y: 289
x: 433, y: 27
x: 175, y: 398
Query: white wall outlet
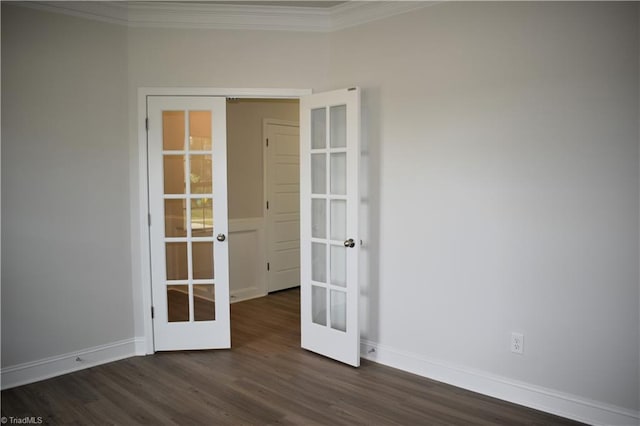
x: 517, y: 343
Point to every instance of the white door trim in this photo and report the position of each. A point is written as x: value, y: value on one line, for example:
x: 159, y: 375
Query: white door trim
x: 141, y: 270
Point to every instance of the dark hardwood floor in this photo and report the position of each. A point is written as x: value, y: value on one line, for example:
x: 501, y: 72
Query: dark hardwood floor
x: 265, y: 379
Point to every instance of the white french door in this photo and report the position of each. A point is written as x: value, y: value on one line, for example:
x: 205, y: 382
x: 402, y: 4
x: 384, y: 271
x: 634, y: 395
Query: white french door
x: 188, y: 222
x: 329, y: 240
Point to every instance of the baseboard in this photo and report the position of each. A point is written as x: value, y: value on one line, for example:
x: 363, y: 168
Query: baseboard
x: 246, y: 294
x: 547, y: 400
x: 141, y: 346
x: 47, y: 368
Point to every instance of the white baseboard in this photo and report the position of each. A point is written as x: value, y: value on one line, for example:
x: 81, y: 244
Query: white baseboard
x: 547, y: 400
x: 246, y: 294
x: 47, y: 368
x: 141, y: 346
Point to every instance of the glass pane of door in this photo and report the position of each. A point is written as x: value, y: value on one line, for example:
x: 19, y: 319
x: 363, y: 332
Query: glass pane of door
x: 338, y: 220
x: 200, y: 130
x: 204, y: 305
x: 318, y: 173
x: 175, y: 219
x: 319, y: 305
x: 338, y: 265
x: 176, y: 261
x: 339, y: 310
x: 202, y: 256
x: 174, y: 181
x: 318, y: 128
x: 319, y: 262
x: 173, y: 130
x: 339, y: 126
x: 339, y: 173
x: 319, y: 218
x: 178, y: 303
x: 202, y: 217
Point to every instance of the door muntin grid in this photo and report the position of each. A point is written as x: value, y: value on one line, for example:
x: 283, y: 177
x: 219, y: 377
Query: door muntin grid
x: 188, y: 214
x: 328, y: 208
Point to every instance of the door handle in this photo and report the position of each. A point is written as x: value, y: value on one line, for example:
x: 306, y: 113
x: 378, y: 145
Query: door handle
x: 350, y: 243
x: 221, y: 237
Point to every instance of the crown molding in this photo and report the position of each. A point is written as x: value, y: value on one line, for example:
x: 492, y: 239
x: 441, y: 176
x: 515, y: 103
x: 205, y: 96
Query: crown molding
x: 103, y: 11
x: 355, y: 13
x: 227, y: 17
x: 150, y: 14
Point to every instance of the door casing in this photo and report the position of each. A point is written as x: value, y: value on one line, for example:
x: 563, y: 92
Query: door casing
x: 140, y: 236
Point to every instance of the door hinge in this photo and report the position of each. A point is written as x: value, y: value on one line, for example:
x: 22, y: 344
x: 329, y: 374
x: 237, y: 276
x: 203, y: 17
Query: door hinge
x: 267, y: 205
x: 268, y: 266
x: 153, y: 315
x: 146, y: 123
x: 267, y: 142
x: 149, y: 219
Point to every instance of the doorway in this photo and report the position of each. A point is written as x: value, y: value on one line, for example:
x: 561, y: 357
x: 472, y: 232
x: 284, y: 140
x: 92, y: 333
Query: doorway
x: 263, y: 196
x: 329, y: 173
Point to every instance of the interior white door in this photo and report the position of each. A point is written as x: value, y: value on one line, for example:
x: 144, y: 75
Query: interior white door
x: 282, y: 216
x: 188, y: 222
x: 329, y: 240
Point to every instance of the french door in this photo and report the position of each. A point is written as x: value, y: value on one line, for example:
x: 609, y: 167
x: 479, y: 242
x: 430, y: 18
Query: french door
x: 188, y: 222
x: 329, y: 240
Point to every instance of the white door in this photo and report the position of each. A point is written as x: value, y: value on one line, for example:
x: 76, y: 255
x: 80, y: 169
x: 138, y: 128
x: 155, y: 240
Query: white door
x: 282, y: 183
x: 188, y: 222
x: 329, y: 240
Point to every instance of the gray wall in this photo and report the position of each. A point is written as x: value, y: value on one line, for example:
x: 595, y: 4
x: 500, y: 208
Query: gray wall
x: 506, y: 195
x: 66, y: 277
x: 245, y: 145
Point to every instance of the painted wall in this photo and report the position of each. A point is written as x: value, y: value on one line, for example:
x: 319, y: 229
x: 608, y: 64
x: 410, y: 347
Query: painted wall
x: 245, y: 149
x: 66, y: 268
x: 504, y: 188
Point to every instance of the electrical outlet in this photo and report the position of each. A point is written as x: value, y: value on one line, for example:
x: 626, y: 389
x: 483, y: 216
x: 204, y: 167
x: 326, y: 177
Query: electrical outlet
x: 517, y: 343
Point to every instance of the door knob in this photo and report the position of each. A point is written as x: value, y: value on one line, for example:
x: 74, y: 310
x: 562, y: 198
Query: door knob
x: 221, y: 237
x: 350, y: 243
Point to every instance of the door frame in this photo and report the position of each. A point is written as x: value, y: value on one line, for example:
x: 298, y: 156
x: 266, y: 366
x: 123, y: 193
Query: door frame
x: 267, y: 236
x: 140, y: 213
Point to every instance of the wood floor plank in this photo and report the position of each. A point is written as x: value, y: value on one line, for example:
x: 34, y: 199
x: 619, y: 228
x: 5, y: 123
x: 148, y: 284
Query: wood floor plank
x: 265, y: 379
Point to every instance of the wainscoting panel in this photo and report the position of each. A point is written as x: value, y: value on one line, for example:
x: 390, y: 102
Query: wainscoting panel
x: 247, y: 264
